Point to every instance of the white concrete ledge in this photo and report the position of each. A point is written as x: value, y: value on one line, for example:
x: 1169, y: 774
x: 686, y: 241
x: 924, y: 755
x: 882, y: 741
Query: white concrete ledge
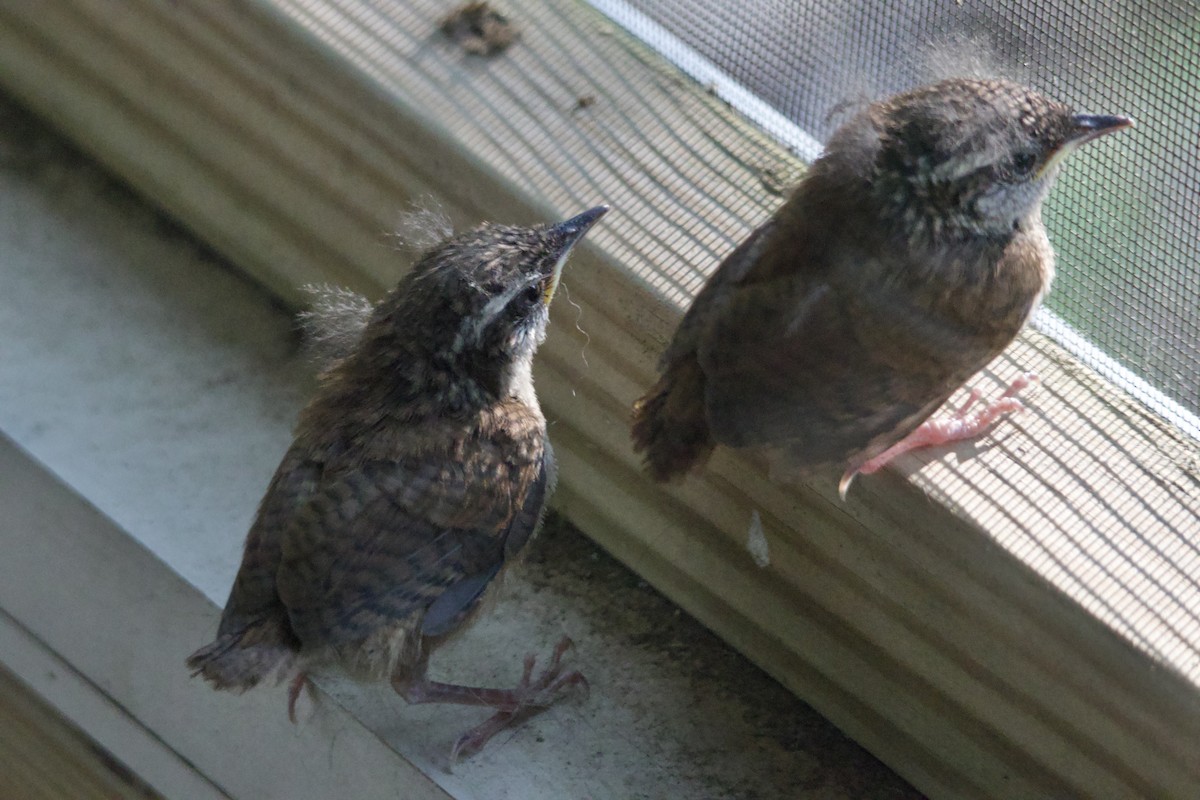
x: 78, y: 592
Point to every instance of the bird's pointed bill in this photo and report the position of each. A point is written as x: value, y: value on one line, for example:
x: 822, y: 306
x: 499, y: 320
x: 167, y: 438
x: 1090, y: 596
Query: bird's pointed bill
x: 569, y: 233
x: 1086, y: 128
x: 1091, y: 126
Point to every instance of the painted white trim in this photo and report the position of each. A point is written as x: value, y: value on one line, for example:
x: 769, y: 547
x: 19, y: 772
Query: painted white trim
x: 99, y: 716
x: 1079, y: 346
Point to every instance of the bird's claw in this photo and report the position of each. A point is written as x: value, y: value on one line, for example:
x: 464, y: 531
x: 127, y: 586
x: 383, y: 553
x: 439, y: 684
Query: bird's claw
x: 530, y: 696
x: 959, y: 426
x: 297, y: 685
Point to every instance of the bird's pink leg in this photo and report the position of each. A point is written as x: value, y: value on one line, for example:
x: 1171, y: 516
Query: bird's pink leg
x: 958, y: 427
x: 512, y: 705
x: 298, y: 684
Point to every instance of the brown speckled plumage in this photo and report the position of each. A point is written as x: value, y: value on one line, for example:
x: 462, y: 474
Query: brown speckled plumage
x: 417, y: 473
x: 908, y: 257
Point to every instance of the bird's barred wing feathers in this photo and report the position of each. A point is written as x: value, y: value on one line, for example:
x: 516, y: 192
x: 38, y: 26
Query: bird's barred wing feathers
x: 381, y: 543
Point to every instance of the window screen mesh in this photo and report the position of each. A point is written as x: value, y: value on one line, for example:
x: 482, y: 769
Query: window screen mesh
x: 1124, y: 216
x: 1090, y: 491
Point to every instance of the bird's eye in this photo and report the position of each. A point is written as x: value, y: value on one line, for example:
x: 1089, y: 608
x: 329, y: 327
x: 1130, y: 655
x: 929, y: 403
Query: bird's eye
x: 533, y: 294
x: 1023, y: 163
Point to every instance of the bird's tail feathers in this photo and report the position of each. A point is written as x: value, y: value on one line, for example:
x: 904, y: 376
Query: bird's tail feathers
x: 670, y: 425
x: 261, y: 650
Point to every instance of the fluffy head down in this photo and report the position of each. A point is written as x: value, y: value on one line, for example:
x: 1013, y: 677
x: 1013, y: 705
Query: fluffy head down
x: 967, y: 157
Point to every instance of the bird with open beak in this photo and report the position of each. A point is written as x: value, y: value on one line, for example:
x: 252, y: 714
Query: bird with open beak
x: 417, y: 475
x: 909, y: 256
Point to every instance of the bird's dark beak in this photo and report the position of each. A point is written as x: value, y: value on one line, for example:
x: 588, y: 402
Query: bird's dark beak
x: 566, y: 235
x: 1085, y: 127
x: 1092, y: 126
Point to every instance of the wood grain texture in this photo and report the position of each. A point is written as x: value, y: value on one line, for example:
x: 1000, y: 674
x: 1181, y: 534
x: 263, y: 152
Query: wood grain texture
x: 44, y: 757
x: 1014, y: 618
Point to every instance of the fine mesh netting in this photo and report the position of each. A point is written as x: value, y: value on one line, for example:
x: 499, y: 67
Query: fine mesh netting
x: 1123, y: 217
x: 1088, y: 489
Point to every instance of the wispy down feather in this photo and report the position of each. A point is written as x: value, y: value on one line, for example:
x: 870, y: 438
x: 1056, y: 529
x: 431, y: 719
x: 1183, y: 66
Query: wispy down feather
x: 333, y: 323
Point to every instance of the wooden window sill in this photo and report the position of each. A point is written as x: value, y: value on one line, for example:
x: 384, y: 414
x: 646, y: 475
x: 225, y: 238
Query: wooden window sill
x: 1016, y: 617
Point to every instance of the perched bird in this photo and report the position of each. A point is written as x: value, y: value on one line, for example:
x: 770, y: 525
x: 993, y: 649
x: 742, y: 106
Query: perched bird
x: 417, y: 474
x: 908, y: 257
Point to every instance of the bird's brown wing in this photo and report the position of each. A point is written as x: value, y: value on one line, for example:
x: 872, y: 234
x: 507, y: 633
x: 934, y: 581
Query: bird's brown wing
x: 732, y: 270
x: 670, y: 424
x: 832, y: 374
x: 253, y: 593
x: 455, y: 604
x: 255, y: 639
x: 381, y: 543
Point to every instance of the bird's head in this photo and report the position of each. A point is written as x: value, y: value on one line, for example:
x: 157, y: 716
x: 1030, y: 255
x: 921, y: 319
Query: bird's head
x: 967, y: 158
x: 496, y: 283
x: 476, y: 305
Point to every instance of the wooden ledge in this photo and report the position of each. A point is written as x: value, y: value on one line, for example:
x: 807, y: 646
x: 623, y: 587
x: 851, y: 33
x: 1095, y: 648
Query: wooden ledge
x: 1015, y: 618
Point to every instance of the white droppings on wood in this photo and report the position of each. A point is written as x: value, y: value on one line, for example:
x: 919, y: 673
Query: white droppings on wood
x: 756, y: 541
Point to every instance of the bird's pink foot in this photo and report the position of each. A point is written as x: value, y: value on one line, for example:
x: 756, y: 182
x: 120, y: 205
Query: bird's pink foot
x: 959, y: 426
x: 512, y: 705
x: 298, y: 684
x: 531, y: 696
